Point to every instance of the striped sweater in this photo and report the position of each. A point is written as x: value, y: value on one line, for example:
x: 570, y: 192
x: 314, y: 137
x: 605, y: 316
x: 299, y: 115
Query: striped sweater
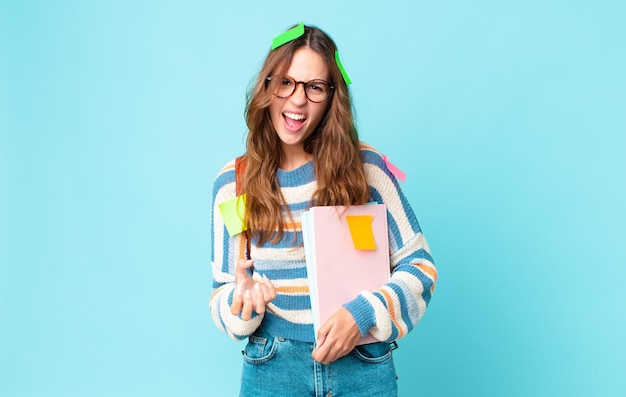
x: 388, y: 313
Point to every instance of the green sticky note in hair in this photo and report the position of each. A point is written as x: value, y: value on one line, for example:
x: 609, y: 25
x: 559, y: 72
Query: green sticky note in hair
x: 361, y: 231
x: 233, y: 212
x: 289, y: 35
x: 341, y: 69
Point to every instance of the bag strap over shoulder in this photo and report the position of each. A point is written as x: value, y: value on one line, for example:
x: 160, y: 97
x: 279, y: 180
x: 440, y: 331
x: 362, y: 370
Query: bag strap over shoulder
x: 240, y: 170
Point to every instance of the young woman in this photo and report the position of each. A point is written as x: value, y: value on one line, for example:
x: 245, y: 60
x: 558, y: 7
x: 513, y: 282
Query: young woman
x: 303, y: 150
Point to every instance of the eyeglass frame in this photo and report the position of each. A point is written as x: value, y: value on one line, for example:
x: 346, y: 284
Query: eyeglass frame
x: 304, y: 83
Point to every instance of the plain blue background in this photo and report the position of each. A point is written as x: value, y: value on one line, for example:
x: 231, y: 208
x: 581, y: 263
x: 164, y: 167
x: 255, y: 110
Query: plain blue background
x: 508, y: 117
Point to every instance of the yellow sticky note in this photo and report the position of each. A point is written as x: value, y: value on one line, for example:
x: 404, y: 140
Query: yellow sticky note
x: 361, y: 230
x: 233, y: 212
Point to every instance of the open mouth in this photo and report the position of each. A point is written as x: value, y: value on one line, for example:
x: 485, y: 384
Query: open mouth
x: 294, y: 121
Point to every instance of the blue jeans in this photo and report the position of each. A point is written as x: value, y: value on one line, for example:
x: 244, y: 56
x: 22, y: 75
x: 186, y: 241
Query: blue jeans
x: 275, y: 366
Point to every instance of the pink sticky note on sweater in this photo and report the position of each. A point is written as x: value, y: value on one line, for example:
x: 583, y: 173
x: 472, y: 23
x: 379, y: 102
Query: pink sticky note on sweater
x: 397, y: 172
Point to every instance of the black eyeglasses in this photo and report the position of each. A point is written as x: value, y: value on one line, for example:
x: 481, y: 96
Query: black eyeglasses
x: 316, y: 90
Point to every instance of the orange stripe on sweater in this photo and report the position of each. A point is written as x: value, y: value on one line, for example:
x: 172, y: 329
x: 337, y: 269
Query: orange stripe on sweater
x: 392, y: 311
x: 293, y: 290
x: 217, y: 291
x: 430, y: 271
x: 292, y: 225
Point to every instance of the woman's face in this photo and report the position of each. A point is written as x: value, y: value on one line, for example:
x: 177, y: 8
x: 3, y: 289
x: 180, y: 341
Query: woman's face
x: 295, y: 117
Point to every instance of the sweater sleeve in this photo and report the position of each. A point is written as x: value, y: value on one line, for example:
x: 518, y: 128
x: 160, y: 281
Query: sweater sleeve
x: 225, y: 252
x: 393, y: 310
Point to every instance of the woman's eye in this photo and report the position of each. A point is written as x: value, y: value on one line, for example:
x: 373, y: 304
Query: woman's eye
x: 317, y: 87
x: 287, y: 82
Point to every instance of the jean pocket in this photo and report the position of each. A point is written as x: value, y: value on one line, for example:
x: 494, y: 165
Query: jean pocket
x: 373, y: 352
x: 260, y: 349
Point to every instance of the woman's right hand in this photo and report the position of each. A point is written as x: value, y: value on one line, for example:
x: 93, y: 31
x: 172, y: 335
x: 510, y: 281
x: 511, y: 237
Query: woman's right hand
x: 250, y: 294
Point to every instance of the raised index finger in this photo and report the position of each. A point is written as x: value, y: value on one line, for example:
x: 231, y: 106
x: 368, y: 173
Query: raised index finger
x: 241, y: 271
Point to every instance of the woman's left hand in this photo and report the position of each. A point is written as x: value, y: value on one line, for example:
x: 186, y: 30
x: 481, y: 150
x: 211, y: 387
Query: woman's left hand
x: 337, y: 337
x: 250, y: 295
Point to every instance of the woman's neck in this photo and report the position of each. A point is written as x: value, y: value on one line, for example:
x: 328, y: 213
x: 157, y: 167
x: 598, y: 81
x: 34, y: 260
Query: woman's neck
x: 291, y: 161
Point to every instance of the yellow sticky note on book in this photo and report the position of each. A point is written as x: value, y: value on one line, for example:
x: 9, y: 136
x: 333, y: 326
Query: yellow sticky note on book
x: 233, y: 212
x: 361, y: 231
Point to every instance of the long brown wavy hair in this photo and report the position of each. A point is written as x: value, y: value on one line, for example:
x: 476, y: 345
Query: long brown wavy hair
x: 334, y: 145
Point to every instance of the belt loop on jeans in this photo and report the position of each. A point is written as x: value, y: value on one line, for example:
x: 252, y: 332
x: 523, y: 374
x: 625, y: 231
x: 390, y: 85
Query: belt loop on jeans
x: 393, y: 345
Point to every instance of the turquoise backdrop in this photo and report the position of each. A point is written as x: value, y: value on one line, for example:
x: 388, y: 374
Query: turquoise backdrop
x: 508, y: 117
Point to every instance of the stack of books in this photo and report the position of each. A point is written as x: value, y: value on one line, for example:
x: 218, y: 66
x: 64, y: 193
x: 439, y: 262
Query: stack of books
x: 347, y: 251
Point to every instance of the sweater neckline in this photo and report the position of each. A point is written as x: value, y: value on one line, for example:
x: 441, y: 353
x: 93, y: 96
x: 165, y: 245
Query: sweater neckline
x: 302, y: 174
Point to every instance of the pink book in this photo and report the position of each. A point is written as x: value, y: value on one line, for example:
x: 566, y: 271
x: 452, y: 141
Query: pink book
x: 347, y: 251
